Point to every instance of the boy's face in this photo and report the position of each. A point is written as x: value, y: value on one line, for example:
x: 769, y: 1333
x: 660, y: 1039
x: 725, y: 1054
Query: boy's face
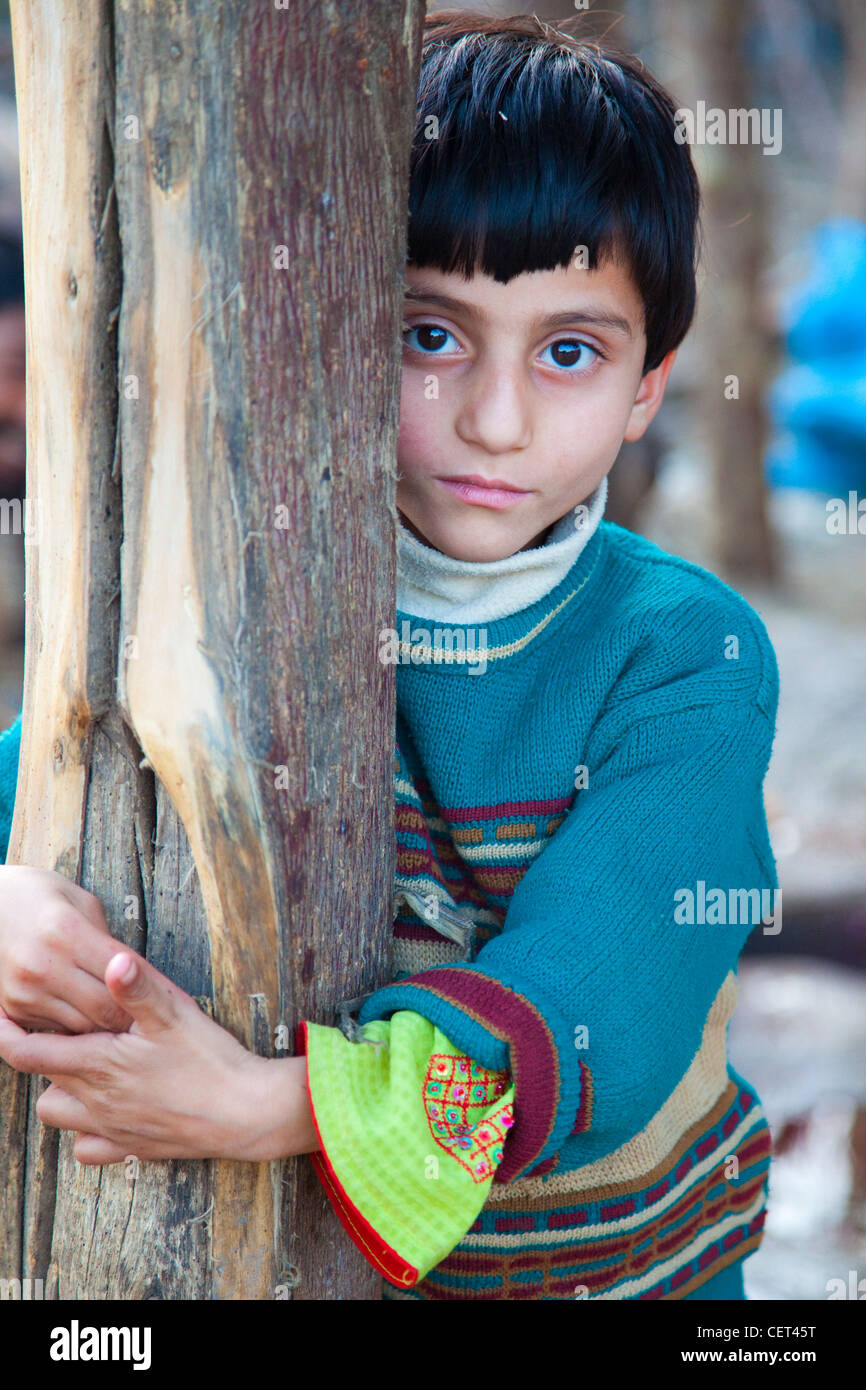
x: 534, y: 384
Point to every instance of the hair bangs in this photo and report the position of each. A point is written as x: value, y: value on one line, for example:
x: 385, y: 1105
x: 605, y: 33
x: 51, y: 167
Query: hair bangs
x: 532, y: 148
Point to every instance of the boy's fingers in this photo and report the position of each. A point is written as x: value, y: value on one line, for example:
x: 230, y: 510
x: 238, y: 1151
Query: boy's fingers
x: 92, y: 1148
x: 86, y: 903
x: 63, y: 1018
x: 93, y: 1001
x: 94, y: 944
x: 6, y: 1020
x: 61, y: 1110
x: 142, y: 991
x: 94, y: 950
x: 44, y: 1054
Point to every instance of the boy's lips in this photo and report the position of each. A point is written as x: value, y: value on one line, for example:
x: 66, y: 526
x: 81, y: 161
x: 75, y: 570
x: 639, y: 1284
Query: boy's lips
x: 484, y: 492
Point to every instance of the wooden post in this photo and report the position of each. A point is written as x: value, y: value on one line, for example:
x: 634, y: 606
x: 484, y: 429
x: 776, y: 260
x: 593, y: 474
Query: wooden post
x: 214, y: 222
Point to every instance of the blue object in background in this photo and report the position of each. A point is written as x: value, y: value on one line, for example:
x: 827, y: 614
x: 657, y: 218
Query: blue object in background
x: 818, y: 403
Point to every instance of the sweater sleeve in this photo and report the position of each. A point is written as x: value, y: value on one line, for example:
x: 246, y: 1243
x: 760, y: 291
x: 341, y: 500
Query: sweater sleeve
x: 10, y: 747
x: 596, y: 992
x: 412, y: 1132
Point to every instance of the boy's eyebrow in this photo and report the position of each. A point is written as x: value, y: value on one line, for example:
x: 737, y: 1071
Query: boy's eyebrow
x: 599, y: 318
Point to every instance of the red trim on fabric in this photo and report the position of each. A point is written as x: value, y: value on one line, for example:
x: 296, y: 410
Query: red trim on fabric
x: 541, y: 1168
x: 584, y: 1110
x: 371, y: 1245
x: 455, y: 814
x: 410, y: 931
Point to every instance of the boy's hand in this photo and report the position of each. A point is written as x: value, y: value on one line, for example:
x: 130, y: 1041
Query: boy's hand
x: 176, y: 1085
x: 54, y: 949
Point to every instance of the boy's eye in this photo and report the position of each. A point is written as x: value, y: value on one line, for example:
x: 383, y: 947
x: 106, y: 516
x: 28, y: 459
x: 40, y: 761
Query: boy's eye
x: 430, y: 337
x: 572, y: 354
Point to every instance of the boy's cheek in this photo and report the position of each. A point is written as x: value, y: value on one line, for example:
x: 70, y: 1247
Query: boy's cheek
x: 416, y: 439
x: 412, y: 399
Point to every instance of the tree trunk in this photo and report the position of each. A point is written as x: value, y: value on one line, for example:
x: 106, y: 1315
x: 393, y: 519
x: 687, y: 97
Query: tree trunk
x: 214, y: 219
x: 734, y: 345
x: 739, y: 360
x: 700, y: 51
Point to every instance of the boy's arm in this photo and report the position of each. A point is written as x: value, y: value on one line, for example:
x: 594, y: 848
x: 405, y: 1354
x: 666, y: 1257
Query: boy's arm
x: 411, y: 1133
x: 376, y: 1111
x: 596, y: 992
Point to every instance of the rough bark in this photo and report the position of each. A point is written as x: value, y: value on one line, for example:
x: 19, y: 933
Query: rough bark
x: 214, y: 208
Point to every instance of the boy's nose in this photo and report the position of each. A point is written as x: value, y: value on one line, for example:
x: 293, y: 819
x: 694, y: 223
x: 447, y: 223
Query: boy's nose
x: 495, y: 412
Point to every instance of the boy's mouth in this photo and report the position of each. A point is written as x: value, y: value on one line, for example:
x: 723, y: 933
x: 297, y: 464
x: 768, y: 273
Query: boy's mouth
x: 483, y: 492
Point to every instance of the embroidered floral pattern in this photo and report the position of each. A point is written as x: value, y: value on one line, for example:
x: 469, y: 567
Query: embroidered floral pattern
x: 453, y: 1089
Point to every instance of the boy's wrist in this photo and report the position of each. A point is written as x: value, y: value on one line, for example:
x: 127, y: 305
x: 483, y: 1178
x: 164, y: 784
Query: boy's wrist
x: 276, y: 1117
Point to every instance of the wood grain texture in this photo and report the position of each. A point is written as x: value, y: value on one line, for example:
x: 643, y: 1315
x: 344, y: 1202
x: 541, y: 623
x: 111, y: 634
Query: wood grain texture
x: 209, y: 674
x: 72, y: 274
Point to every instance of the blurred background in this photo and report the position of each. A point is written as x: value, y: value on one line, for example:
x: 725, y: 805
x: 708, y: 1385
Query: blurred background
x: 756, y: 469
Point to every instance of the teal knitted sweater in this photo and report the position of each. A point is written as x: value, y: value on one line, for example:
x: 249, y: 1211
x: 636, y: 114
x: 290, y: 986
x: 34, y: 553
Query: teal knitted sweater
x: 582, y: 810
x: 590, y: 804
x: 10, y: 747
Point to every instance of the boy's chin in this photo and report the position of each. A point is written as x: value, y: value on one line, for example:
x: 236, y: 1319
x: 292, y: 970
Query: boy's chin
x: 475, y: 542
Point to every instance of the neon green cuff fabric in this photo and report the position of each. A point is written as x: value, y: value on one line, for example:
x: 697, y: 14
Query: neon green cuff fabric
x: 412, y: 1131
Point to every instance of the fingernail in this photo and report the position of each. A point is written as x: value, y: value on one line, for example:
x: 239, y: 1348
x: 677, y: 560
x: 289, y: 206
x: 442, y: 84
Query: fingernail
x: 129, y: 973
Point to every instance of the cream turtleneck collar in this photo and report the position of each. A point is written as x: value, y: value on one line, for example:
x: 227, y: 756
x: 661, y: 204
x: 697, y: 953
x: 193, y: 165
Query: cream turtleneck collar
x: 433, y: 585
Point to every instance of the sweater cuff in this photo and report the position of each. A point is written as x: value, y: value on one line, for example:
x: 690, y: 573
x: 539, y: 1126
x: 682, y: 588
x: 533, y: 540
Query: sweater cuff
x: 501, y: 1028
x: 412, y: 1132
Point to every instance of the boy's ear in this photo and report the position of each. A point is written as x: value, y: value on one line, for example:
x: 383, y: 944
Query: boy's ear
x: 649, y: 397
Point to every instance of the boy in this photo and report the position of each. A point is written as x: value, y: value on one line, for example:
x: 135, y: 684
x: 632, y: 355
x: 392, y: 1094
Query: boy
x: 540, y: 1105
